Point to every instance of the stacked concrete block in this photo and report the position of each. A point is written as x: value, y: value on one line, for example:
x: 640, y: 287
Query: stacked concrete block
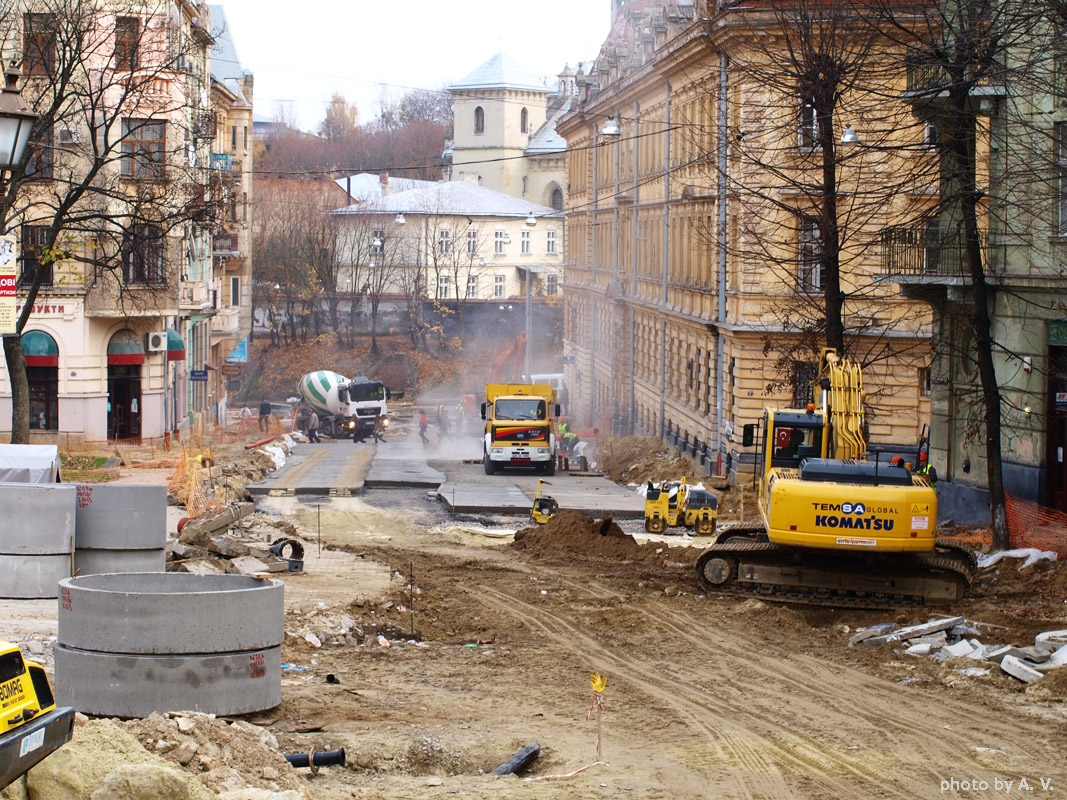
x: 130, y: 644
x: 120, y: 529
x: 36, y: 538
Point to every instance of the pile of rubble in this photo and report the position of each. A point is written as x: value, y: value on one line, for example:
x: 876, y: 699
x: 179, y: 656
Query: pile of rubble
x: 956, y: 637
x: 236, y: 540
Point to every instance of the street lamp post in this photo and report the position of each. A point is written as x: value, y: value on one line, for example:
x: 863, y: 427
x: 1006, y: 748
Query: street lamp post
x: 16, y: 123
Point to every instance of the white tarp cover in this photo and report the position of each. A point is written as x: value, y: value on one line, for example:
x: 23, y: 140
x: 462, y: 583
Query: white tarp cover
x: 29, y: 463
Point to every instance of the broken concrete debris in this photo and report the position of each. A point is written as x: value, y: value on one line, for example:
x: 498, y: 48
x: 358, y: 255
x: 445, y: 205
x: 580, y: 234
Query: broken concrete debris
x: 237, y: 541
x: 954, y: 637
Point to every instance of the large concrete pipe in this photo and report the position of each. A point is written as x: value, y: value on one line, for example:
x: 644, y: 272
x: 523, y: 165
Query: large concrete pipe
x: 133, y: 643
x: 120, y: 529
x: 36, y: 538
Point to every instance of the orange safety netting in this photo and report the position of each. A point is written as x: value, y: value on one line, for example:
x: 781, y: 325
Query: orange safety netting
x: 1037, y: 526
x: 1029, y: 525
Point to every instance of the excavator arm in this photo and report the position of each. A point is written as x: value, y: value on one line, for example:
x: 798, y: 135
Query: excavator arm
x: 840, y: 385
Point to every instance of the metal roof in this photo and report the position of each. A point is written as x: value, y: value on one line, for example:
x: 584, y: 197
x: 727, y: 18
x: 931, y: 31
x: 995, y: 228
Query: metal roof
x: 547, y: 140
x: 225, y: 63
x: 452, y: 198
x: 367, y: 186
x: 500, y: 72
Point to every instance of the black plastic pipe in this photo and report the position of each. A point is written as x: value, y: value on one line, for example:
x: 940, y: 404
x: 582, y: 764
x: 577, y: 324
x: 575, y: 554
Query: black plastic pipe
x: 325, y: 758
x: 520, y: 760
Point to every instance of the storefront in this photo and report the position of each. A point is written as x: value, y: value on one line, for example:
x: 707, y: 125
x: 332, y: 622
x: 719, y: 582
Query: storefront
x: 42, y: 374
x: 125, y: 358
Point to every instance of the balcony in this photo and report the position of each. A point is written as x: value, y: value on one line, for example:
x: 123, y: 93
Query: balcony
x: 193, y: 295
x: 204, y: 126
x: 226, y: 321
x: 226, y: 245
x: 222, y: 161
x: 927, y: 80
x: 927, y: 261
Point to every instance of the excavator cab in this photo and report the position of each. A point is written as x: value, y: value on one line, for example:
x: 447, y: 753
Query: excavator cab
x: 544, y: 507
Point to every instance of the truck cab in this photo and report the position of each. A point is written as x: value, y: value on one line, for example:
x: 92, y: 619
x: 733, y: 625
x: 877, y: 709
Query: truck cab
x: 520, y: 427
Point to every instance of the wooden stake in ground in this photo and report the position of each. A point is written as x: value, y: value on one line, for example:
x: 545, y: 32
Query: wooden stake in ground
x: 599, y: 685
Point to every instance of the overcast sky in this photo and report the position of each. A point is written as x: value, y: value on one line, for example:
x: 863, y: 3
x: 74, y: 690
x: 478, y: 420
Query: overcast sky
x: 302, y: 52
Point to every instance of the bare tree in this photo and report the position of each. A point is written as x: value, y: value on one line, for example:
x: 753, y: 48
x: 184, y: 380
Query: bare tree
x: 109, y: 174
x: 954, y: 48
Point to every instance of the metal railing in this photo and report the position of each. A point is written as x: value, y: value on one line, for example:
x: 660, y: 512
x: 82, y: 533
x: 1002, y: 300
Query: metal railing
x: 939, y: 252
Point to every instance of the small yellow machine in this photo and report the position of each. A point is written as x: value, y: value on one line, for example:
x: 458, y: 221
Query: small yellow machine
x: 544, y: 507
x: 31, y: 727
x: 673, y: 504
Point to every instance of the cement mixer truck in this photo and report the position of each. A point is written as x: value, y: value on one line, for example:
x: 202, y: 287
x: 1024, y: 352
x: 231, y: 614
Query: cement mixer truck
x: 346, y: 408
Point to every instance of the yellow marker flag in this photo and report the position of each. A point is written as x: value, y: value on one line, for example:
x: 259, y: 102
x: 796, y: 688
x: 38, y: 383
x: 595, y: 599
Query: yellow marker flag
x: 599, y: 683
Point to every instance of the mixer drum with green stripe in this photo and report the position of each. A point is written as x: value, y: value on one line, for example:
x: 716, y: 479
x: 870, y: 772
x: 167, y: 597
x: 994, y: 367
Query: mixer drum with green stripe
x: 319, y: 390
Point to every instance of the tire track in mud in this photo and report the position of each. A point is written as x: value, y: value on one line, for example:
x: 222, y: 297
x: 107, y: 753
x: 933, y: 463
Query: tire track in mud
x: 754, y: 762
x: 902, y: 715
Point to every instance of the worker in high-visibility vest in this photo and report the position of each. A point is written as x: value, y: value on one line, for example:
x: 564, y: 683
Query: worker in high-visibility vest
x: 927, y: 470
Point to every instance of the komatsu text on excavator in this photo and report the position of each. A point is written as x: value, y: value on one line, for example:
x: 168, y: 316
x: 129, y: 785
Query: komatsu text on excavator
x: 837, y: 527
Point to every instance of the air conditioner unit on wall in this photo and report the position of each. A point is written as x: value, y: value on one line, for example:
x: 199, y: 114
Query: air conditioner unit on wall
x: 157, y: 341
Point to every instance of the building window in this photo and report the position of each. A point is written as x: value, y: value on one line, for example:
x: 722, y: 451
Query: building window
x: 34, y: 238
x: 811, y: 275
x: 498, y: 286
x: 444, y: 241
x: 1060, y: 132
x: 551, y: 283
x: 244, y: 137
x: 524, y: 121
x: 235, y: 291
x: 479, y: 120
x: 44, y: 397
x: 498, y: 242
x: 930, y: 135
x: 472, y: 242
x: 472, y: 286
x: 550, y: 243
x: 446, y: 285
x: 525, y: 243
x: 557, y: 199
x: 39, y: 44
x: 377, y: 242
x: 244, y: 206
x: 808, y: 125
x: 924, y: 382
x: 143, y: 148
x: 127, y: 36
x: 233, y: 138
x: 142, y: 255
x: 42, y: 155
x: 525, y: 184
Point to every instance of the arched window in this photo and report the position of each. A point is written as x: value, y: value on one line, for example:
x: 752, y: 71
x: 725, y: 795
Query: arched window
x: 42, y: 372
x: 479, y: 120
x: 524, y: 121
x: 557, y: 199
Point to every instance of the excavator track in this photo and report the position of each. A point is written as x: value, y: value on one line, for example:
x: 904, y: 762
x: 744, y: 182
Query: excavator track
x: 742, y: 561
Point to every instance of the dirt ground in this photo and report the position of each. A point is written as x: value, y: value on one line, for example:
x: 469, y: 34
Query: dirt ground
x: 706, y: 696
x: 432, y: 647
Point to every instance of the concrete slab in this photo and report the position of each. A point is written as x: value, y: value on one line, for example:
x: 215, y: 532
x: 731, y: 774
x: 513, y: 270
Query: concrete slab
x: 514, y: 494
x: 960, y: 648
x: 402, y: 462
x: 122, y: 517
x: 319, y: 469
x: 916, y: 631
x: 1017, y: 669
x: 38, y: 518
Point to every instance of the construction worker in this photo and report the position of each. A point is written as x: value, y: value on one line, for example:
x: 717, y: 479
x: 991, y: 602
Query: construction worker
x: 570, y: 439
x: 927, y: 470
x: 562, y: 428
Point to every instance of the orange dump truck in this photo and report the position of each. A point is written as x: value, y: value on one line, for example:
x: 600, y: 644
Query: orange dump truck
x: 520, y: 427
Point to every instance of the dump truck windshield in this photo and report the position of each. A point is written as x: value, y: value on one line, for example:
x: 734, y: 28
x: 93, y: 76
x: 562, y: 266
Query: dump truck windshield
x: 526, y: 408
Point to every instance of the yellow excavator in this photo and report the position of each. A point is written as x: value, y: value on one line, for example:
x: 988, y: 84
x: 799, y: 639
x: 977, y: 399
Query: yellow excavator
x: 837, y: 527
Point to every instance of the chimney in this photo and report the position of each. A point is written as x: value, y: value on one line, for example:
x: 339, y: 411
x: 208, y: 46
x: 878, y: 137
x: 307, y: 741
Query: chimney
x: 383, y: 179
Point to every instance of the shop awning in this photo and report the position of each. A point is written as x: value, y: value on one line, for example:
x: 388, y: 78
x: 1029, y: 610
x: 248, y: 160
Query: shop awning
x: 175, y: 346
x: 125, y: 347
x: 41, y: 349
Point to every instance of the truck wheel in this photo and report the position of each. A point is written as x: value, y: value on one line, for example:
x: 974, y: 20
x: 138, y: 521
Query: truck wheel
x: 550, y: 467
x: 489, y: 466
